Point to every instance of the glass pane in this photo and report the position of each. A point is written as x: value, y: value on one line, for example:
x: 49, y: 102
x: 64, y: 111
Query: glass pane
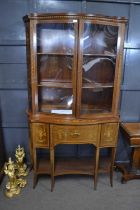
x: 100, y: 39
x: 55, y: 38
x: 98, y: 69
x: 97, y: 84
x: 96, y: 100
x: 55, y: 100
x: 55, y: 65
x: 55, y: 68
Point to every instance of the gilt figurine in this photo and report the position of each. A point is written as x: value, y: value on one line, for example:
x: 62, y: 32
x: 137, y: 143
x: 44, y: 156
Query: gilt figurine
x: 20, y: 165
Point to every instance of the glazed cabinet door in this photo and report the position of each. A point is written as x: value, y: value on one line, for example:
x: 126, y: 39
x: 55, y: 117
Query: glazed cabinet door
x: 99, y: 67
x: 54, y: 78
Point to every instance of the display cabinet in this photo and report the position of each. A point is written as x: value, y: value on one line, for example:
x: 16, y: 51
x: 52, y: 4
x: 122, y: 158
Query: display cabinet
x: 74, y: 72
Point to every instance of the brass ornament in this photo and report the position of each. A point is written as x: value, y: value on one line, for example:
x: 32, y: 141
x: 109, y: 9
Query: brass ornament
x: 15, y: 172
x: 12, y: 186
x: 20, y: 165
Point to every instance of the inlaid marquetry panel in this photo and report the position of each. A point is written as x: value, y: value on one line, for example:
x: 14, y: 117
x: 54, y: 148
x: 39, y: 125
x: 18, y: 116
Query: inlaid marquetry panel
x: 68, y: 134
x: 109, y: 134
x: 40, y: 134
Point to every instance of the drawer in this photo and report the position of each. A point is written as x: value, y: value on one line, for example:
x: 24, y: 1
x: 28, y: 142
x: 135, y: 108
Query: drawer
x: 69, y: 134
x: 40, y: 134
x: 109, y: 134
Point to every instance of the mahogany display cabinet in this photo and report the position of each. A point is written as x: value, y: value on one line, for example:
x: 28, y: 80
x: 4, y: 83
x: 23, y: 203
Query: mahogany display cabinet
x: 74, y: 74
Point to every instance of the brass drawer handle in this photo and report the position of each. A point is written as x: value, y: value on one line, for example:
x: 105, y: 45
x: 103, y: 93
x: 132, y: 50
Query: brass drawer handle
x: 75, y: 134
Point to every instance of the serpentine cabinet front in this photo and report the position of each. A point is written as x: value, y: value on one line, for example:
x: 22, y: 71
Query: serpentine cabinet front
x: 74, y: 70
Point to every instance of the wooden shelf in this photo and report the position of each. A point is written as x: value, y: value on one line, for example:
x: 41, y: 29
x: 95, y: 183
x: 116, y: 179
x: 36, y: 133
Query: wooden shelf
x: 48, y: 108
x: 43, y: 165
x: 69, y: 85
x: 86, y: 112
x: 84, y: 54
x: 100, y: 107
x: 55, y: 53
x: 72, y: 165
x: 84, y: 108
x: 56, y: 84
x: 100, y: 55
x: 94, y: 109
x: 98, y: 85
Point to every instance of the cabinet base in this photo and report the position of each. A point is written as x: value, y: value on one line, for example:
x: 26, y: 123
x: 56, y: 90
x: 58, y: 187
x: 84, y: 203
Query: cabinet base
x: 72, y: 165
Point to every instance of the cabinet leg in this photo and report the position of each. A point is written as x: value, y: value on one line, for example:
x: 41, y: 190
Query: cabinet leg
x: 34, y: 168
x: 96, y: 167
x: 52, y: 168
x: 136, y: 158
x: 31, y: 145
x: 113, y: 152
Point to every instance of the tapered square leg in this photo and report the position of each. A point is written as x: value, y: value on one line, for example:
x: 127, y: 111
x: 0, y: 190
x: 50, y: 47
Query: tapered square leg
x: 96, y: 167
x: 35, y: 168
x: 52, y: 167
x: 113, y: 153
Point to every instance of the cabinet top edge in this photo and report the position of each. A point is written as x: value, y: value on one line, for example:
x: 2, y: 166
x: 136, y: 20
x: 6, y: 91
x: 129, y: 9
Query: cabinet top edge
x: 132, y: 128
x: 37, y: 16
x: 70, y: 120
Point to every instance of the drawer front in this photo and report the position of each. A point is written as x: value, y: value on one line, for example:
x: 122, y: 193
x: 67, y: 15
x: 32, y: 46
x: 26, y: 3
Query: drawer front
x: 40, y: 134
x: 75, y: 134
x: 109, y: 134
